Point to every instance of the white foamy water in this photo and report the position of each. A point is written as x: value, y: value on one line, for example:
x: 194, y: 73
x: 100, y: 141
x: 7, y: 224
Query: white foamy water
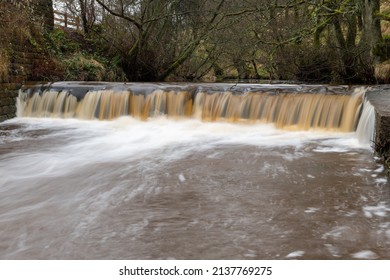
x: 295, y: 254
x: 366, y: 254
x: 89, y: 142
x: 366, y: 128
x: 131, y: 189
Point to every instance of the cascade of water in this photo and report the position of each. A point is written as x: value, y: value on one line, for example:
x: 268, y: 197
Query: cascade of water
x: 291, y: 111
x: 366, y: 128
x: 50, y: 104
x: 287, y: 111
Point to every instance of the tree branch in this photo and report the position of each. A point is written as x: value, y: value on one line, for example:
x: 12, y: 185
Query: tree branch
x: 121, y: 15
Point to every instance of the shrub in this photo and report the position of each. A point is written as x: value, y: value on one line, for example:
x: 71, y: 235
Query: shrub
x: 60, y: 42
x: 81, y: 68
x: 304, y: 63
x: 382, y: 72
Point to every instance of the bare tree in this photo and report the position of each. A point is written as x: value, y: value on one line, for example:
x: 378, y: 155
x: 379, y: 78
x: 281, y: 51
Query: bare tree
x: 161, y: 35
x: 85, y: 10
x: 290, y: 39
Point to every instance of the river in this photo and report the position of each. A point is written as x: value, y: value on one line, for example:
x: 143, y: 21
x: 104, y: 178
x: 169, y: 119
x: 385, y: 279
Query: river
x: 188, y: 189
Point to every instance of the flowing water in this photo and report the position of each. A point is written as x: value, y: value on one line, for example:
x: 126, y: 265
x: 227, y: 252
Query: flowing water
x: 219, y: 177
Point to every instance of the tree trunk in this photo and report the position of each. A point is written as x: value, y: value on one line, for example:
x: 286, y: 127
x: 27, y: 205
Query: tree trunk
x: 83, y: 14
x: 44, y: 10
x: 357, y: 60
x: 372, y: 35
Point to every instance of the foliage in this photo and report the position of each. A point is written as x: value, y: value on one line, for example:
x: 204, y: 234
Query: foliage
x: 60, y: 43
x: 74, y: 56
x: 83, y: 67
x: 157, y: 39
x: 149, y: 40
x: 382, y: 50
x: 304, y: 63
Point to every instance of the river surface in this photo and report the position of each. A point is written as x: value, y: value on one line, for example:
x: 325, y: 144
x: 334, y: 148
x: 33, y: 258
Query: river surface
x: 186, y: 189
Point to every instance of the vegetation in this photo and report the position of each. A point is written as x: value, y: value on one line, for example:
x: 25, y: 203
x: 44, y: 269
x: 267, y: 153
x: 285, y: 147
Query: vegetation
x: 74, y: 56
x: 341, y: 41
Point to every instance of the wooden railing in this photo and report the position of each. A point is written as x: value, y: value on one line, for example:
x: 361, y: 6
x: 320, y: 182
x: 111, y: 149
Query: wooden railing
x: 64, y: 20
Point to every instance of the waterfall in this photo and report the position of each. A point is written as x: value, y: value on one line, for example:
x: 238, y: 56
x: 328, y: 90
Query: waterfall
x: 366, y: 128
x: 286, y: 108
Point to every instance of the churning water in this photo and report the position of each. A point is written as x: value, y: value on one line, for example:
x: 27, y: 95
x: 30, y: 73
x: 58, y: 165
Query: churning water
x: 188, y: 189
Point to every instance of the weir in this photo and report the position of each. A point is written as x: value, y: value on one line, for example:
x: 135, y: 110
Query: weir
x: 288, y: 107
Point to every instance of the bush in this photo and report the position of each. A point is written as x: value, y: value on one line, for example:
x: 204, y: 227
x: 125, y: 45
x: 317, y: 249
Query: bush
x: 78, y: 67
x: 76, y: 57
x: 383, y: 49
x: 60, y: 43
x: 314, y: 66
x: 304, y: 63
x: 382, y: 72
x: 84, y: 67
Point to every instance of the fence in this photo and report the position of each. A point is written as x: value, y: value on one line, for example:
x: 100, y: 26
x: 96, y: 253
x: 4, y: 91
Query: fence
x: 63, y: 20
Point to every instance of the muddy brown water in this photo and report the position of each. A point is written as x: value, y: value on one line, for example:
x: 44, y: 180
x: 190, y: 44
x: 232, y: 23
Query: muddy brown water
x: 166, y: 189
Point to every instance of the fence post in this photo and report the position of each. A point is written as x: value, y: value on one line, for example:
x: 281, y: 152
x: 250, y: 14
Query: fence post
x: 78, y: 23
x: 66, y: 20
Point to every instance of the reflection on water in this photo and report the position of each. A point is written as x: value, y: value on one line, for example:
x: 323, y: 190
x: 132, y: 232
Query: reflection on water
x: 128, y: 189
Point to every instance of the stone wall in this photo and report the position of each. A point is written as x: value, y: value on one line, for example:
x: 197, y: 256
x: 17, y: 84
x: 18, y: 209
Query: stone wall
x: 379, y: 97
x: 8, y: 94
x: 22, y: 24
